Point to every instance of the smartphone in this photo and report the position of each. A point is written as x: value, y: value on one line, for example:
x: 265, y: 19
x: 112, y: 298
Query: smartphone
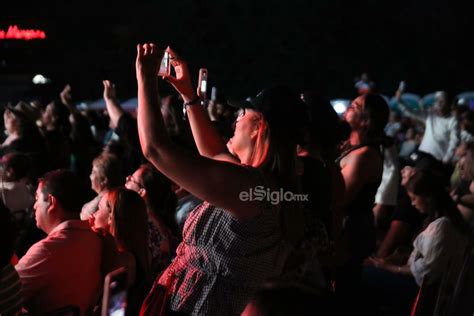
x: 202, y: 85
x: 213, y: 93
x: 114, y: 301
x: 401, y: 86
x: 164, y: 65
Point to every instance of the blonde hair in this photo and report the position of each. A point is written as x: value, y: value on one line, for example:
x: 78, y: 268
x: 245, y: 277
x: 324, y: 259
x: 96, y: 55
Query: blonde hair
x: 275, y: 153
x: 262, y: 144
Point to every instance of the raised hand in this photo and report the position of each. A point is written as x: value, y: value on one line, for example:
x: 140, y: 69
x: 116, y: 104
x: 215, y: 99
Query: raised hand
x: 66, y: 95
x: 109, y: 90
x: 182, y: 81
x: 398, y: 95
x: 148, y: 61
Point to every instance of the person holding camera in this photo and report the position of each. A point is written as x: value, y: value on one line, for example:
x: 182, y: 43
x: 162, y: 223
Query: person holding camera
x: 230, y: 245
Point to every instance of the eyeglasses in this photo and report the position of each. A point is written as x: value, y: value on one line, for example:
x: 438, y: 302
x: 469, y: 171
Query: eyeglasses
x: 240, y: 114
x: 131, y: 179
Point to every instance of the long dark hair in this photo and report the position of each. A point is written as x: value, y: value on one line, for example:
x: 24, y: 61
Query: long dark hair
x: 130, y: 226
x: 160, y: 198
x: 377, y: 112
x: 439, y: 202
x: 287, y: 120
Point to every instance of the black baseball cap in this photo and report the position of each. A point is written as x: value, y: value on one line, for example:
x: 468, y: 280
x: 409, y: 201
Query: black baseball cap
x: 428, y: 164
x: 282, y: 108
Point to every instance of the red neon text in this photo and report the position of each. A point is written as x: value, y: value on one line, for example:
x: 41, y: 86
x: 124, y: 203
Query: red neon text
x: 15, y: 33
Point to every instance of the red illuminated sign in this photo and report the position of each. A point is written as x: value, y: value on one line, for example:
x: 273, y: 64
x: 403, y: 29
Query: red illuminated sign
x: 18, y: 34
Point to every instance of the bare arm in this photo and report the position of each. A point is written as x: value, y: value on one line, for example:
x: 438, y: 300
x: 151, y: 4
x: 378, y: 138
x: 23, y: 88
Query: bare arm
x: 396, y: 234
x: 113, y: 106
x: 358, y: 168
x: 396, y: 269
x: 453, y: 141
x: 219, y: 183
x: 208, y: 140
x: 421, y: 117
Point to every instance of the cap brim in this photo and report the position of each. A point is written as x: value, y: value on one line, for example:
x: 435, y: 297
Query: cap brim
x: 240, y: 104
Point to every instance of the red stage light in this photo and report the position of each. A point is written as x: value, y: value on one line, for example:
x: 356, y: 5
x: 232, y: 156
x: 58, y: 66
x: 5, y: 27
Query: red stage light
x: 18, y: 34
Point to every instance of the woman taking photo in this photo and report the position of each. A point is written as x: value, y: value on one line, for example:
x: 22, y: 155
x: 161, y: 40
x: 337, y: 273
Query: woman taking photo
x: 231, y: 244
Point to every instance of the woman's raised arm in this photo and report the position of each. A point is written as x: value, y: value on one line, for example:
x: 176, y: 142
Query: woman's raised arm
x: 208, y: 140
x: 217, y: 182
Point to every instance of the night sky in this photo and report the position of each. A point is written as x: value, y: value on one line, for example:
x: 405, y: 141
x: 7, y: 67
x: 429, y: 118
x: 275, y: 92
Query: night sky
x: 246, y: 45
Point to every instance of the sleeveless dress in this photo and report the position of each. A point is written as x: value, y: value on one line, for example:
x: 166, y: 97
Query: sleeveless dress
x: 359, y: 222
x: 222, y: 260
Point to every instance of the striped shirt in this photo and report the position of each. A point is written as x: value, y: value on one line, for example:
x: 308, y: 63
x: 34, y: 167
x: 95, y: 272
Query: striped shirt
x: 11, y: 300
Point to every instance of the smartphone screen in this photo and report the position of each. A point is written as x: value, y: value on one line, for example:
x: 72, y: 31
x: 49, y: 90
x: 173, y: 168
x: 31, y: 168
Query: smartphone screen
x: 165, y: 65
x: 115, y: 293
x: 204, y: 86
x: 203, y: 82
x: 213, y: 93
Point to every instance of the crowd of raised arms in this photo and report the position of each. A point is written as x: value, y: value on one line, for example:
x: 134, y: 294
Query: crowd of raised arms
x: 272, y: 205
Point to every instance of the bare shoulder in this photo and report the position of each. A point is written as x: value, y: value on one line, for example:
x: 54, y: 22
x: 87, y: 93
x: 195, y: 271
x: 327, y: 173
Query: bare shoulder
x: 361, y: 155
x: 365, y: 160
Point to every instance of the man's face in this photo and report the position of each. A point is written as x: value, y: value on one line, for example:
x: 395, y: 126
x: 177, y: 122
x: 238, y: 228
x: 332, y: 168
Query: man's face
x: 441, y: 103
x: 41, y: 209
x: 407, y: 173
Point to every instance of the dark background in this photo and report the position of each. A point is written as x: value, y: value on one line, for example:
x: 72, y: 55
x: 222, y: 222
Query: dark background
x: 246, y: 45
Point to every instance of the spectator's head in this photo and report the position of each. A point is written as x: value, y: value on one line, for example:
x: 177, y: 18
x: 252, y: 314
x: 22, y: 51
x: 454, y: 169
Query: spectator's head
x: 268, y: 126
x: 406, y: 174
x: 177, y: 128
x: 17, y: 119
x: 56, y: 117
x: 58, y: 198
x: 156, y: 190
x: 410, y: 134
x: 7, y: 236
x: 368, y: 115
x: 326, y: 130
x: 106, y: 172
x: 171, y: 109
x: 467, y: 122
x: 442, y: 103
x: 285, y: 300
x: 426, y: 163
x: 431, y: 197
x: 123, y: 214
x: 16, y: 166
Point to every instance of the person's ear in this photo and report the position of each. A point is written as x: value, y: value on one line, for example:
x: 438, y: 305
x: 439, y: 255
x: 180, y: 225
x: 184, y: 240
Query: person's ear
x: 142, y: 192
x: 256, y: 128
x: 52, y: 202
x: 103, y: 182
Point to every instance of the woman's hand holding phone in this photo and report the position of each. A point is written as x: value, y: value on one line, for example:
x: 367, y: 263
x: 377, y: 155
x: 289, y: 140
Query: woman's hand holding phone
x: 182, y: 82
